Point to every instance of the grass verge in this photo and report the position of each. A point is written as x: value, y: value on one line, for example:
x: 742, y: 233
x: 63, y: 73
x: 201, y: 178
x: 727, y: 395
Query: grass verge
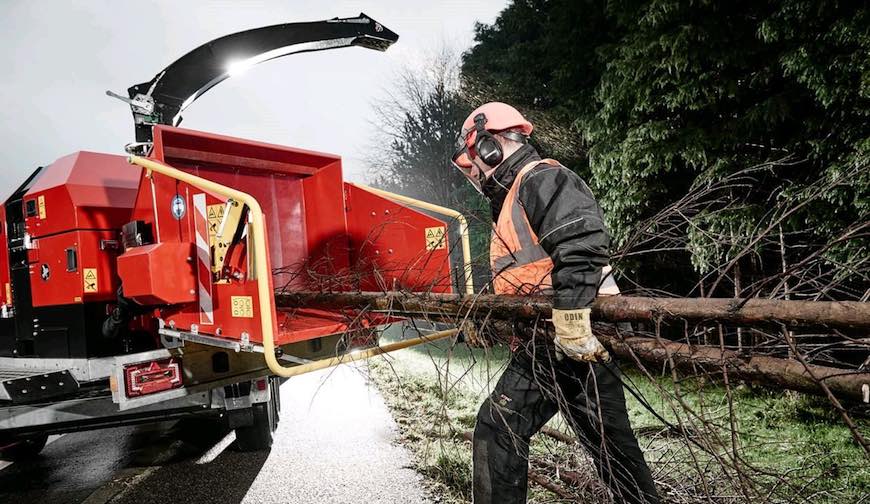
x: 787, y: 447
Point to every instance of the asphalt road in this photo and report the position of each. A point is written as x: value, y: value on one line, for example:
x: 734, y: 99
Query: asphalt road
x: 334, y: 444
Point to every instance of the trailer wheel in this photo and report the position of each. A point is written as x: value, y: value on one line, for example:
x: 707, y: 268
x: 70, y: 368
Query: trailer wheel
x: 258, y: 436
x: 26, y: 449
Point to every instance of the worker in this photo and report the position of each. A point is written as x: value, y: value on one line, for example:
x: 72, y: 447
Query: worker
x: 549, y: 238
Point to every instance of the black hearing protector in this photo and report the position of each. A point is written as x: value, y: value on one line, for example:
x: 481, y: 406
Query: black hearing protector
x: 486, y: 146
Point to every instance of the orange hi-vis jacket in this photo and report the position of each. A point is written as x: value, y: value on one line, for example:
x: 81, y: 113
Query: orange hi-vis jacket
x: 519, y: 263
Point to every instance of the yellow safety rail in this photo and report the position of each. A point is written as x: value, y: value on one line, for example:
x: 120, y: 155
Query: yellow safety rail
x: 263, y: 275
x: 463, y: 225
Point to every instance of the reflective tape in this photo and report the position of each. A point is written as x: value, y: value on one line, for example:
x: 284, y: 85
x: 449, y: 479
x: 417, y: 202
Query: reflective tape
x: 203, y: 261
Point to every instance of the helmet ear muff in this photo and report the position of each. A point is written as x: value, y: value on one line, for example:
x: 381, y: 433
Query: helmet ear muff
x: 485, y: 144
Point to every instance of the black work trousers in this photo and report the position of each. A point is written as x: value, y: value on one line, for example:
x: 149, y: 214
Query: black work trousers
x: 534, y: 387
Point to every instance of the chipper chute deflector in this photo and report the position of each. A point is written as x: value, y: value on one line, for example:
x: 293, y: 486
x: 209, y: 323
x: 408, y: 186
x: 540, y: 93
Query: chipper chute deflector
x: 162, y: 99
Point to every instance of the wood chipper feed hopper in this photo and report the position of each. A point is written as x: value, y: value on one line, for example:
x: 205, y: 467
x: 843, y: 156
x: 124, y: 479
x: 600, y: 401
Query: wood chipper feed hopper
x: 220, y: 223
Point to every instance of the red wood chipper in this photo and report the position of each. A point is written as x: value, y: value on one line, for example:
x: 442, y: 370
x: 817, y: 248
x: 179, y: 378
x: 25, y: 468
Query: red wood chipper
x: 142, y: 288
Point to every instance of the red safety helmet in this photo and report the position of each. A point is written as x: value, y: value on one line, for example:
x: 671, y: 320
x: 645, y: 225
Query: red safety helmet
x: 476, y: 135
x: 499, y: 117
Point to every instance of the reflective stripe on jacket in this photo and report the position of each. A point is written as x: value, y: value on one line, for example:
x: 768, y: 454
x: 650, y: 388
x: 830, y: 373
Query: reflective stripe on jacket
x: 519, y: 264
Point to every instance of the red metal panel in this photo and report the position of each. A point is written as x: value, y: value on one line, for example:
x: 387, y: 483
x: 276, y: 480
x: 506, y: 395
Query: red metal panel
x: 280, y: 197
x: 84, y: 190
x: 5, y: 287
x: 65, y: 286
x: 280, y: 178
x: 288, y: 233
x: 173, y: 144
x: 389, y: 245
x: 303, y: 324
x: 326, y: 229
x: 161, y: 273
x: 80, y: 199
x: 185, y: 314
x: 56, y: 212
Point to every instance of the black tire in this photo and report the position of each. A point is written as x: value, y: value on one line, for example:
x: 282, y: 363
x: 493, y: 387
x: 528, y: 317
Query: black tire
x: 26, y: 449
x: 258, y: 436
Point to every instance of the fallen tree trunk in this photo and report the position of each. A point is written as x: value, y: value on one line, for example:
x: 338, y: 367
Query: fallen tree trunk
x: 766, y: 371
x: 747, y: 312
x: 770, y: 372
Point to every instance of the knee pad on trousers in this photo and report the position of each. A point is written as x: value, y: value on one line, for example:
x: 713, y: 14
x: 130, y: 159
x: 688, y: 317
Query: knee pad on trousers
x: 485, y: 424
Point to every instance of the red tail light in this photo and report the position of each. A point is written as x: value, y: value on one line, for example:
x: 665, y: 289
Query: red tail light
x: 150, y: 377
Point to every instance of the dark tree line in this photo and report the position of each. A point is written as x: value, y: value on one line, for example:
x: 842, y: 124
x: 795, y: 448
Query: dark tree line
x: 728, y: 142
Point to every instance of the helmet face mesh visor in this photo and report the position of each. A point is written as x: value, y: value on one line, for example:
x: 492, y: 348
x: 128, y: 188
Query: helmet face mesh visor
x: 462, y: 160
x: 464, y: 149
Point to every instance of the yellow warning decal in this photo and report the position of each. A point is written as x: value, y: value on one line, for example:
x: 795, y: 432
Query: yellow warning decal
x: 242, y: 306
x: 40, y: 203
x: 215, y: 214
x: 8, y: 293
x: 435, y: 238
x: 89, y: 275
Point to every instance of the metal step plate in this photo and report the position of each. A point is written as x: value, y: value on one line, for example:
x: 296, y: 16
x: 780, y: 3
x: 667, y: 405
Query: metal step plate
x: 26, y: 386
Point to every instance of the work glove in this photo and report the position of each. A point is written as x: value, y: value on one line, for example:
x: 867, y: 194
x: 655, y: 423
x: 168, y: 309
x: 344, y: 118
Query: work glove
x: 574, y: 338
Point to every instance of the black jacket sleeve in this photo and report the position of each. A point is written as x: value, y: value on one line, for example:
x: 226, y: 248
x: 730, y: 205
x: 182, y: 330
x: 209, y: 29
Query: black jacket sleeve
x: 566, y: 218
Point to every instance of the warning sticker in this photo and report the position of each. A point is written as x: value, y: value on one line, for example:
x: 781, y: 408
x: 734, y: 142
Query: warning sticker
x: 435, y: 238
x: 215, y: 214
x: 89, y: 275
x: 242, y: 306
x: 40, y: 203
